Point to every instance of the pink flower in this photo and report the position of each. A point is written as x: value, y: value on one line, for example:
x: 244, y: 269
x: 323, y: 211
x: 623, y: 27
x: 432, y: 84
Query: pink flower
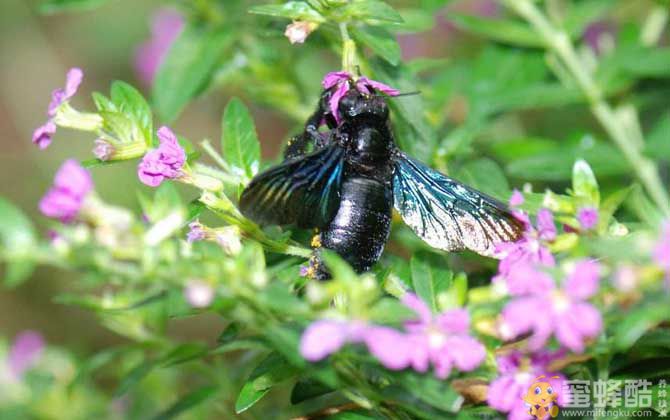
x: 196, y: 232
x: 162, y: 163
x: 72, y: 184
x: 529, y: 250
x: 565, y: 313
x: 441, y: 340
x: 588, y: 218
x: 597, y: 35
x: 297, y: 32
x: 61, y: 95
x: 26, y: 350
x: 516, y: 374
x: 166, y: 25
x: 343, y: 80
x: 198, y: 293
x: 43, y: 134
x: 324, y: 337
x: 516, y: 199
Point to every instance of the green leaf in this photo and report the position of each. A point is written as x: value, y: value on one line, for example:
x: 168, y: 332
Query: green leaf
x: 639, y: 62
x: 506, y: 31
x: 136, y: 375
x: 380, y: 41
x: 372, y: 11
x: 306, y: 389
x: 485, y: 175
x: 187, y: 402
x: 428, y: 281
x: 296, y: 10
x: 56, y: 6
x: 584, y: 184
x: 18, y: 242
x: 390, y: 311
x: 658, y: 141
x: 184, y: 353
x: 239, y: 141
x: 272, y: 370
x: 639, y: 321
x: 339, y: 268
x: 130, y: 101
x: 188, y: 68
x: 229, y: 334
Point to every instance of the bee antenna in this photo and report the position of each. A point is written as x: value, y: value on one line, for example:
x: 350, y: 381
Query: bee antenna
x: 417, y: 92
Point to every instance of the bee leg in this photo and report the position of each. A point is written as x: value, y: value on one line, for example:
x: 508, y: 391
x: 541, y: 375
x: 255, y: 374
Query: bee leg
x: 316, y: 270
x: 297, y: 146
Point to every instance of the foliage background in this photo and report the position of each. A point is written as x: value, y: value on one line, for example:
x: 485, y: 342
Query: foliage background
x: 498, y: 109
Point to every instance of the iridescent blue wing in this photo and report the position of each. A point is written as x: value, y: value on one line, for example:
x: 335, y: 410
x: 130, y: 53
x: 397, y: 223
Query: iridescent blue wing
x: 304, y: 191
x: 447, y: 214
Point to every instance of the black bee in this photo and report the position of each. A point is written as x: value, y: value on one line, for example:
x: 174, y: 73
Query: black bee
x: 347, y: 186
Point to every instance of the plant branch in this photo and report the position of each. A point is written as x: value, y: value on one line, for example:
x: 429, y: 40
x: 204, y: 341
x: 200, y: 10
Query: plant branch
x: 559, y: 43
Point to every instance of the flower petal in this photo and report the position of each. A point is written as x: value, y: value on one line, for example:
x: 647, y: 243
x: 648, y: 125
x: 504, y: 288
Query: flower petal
x: 455, y: 321
x: 545, y: 225
x: 43, y: 134
x: 466, y: 352
x: 334, y: 102
x: 588, y: 218
x: 516, y: 199
x: 389, y: 346
x: 335, y: 77
x: 323, y: 338
x: 582, y: 283
x: 25, y: 351
x: 362, y: 82
x: 415, y: 303
x: 74, y: 178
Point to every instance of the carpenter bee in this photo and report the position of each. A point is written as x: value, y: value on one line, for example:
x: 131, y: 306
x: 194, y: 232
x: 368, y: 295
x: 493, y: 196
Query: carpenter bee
x: 348, y: 185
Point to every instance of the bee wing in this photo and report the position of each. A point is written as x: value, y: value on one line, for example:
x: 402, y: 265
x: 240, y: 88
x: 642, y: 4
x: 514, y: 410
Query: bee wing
x: 447, y: 214
x: 303, y: 191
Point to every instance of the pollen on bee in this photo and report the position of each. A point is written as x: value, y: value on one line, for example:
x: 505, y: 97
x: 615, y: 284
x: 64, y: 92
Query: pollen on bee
x: 316, y: 241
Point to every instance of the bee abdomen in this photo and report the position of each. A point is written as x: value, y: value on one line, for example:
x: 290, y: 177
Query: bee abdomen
x: 362, y: 224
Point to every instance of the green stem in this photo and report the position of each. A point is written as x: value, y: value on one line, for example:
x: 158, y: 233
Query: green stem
x: 349, y: 62
x: 558, y: 42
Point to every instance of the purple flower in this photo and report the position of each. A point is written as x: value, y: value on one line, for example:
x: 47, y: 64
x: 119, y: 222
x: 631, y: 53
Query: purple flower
x: 162, y: 163
x: 365, y: 85
x: 597, y: 34
x: 564, y: 312
x: 324, y: 337
x: 516, y: 374
x: 587, y: 217
x: 43, y: 134
x: 441, y: 340
x: 343, y: 80
x: 26, y: 350
x: 529, y: 250
x: 516, y: 199
x: 61, y: 95
x: 166, y: 25
x: 103, y: 150
x: 72, y: 184
x: 196, y: 232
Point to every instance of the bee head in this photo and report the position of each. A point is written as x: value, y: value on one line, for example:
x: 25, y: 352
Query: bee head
x: 355, y: 105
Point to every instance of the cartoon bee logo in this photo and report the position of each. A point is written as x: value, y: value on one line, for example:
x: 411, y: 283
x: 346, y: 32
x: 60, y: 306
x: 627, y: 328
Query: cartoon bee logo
x: 541, y: 399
